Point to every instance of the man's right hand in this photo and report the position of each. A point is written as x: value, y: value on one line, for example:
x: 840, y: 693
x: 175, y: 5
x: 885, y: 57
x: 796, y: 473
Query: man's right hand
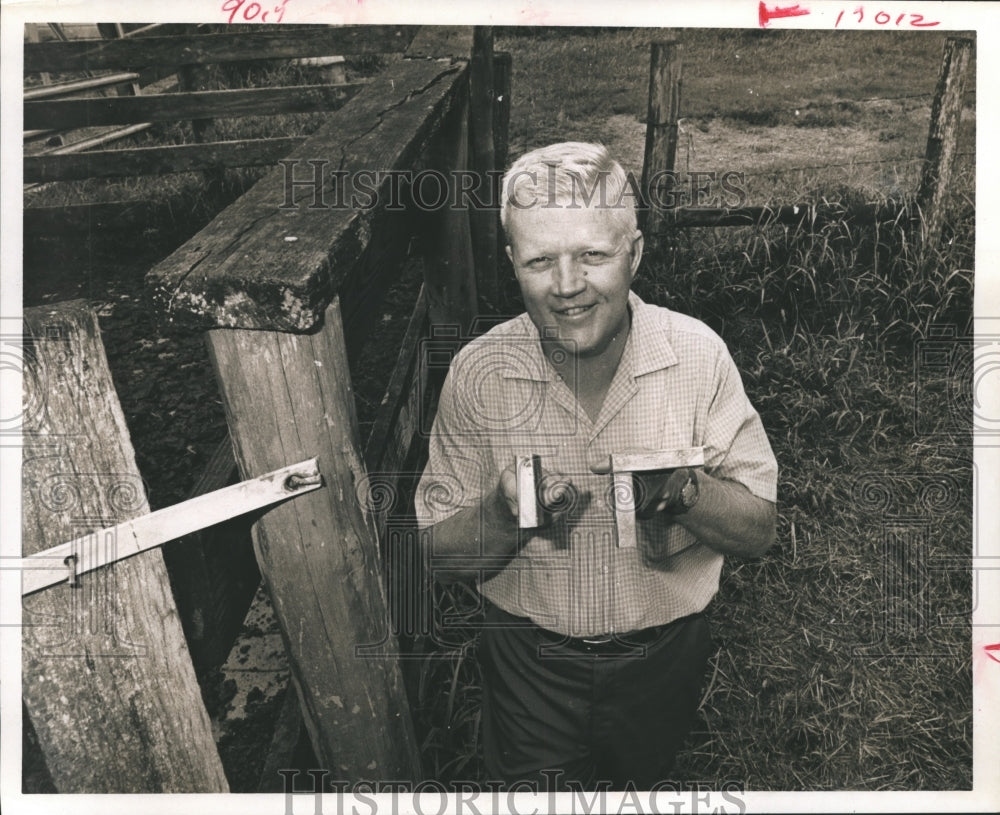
x: 556, y: 493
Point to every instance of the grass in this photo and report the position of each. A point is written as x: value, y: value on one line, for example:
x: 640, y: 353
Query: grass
x: 843, y: 659
x: 827, y: 352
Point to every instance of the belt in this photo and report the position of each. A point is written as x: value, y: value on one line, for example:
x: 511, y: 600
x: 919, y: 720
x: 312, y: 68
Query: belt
x: 623, y: 643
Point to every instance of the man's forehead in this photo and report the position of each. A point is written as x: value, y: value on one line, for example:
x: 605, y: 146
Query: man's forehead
x: 565, y: 221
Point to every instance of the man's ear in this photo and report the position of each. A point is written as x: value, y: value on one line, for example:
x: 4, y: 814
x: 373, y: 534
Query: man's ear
x: 510, y: 254
x: 637, y: 244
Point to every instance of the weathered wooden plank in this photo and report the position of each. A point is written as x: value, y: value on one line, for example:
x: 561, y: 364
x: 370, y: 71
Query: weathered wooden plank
x: 379, y: 267
x: 441, y: 42
x: 179, y: 158
x: 661, y: 125
x: 790, y: 215
x: 270, y: 42
x: 97, y: 139
x: 397, y: 420
x: 76, y: 86
x: 483, y: 221
x: 446, y: 237
x: 503, y: 66
x: 106, y: 676
x: 284, y: 752
x: 942, y: 137
x: 167, y: 107
x: 319, y: 560
x: 276, y: 258
x: 117, y: 214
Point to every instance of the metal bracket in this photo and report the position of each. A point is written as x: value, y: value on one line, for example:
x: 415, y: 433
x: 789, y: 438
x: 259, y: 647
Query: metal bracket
x: 624, y: 465
x: 79, y: 556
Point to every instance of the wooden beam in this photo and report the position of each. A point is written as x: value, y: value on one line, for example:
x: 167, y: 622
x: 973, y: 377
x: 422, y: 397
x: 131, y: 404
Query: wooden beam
x: 503, y: 67
x: 286, y: 745
x: 942, y: 139
x: 661, y: 127
x: 305, y: 238
x: 166, y: 107
x: 101, y: 137
x: 76, y: 86
x: 441, y: 42
x: 106, y: 676
x: 319, y: 559
x: 483, y: 221
x: 790, y: 215
x: 446, y: 235
x: 397, y: 421
x: 89, y: 217
x: 379, y: 267
x: 179, y: 158
x: 194, y: 79
x: 270, y: 42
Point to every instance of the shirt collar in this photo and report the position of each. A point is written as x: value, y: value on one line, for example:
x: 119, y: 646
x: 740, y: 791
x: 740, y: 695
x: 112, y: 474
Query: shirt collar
x: 651, y: 350
x: 647, y: 347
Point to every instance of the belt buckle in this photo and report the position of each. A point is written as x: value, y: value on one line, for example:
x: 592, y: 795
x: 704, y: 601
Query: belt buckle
x: 598, y: 640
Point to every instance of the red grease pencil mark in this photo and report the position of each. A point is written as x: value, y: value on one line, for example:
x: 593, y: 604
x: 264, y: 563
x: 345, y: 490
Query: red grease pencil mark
x: 765, y: 15
x: 993, y: 651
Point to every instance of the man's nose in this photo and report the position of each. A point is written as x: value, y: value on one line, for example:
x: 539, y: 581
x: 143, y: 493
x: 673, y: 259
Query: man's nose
x: 568, y: 278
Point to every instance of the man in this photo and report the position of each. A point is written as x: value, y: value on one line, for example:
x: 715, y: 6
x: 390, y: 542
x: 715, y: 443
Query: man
x: 593, y: 654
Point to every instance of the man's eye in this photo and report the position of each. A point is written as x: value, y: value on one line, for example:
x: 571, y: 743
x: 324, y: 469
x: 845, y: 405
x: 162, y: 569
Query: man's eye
x: 594, y: 255
x: 538, y: 262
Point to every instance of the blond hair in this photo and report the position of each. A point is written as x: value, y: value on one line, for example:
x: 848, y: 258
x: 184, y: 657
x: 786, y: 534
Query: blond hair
x: 570, y: 174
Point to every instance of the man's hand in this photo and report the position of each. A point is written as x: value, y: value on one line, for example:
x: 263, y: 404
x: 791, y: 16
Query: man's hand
x: 555, y: 492
x: 727, y: 518
x: 654, y: 490
x: 479, y: 541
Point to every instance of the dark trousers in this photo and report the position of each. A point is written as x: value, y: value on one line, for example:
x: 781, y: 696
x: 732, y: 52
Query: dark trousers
x: 587, y: 718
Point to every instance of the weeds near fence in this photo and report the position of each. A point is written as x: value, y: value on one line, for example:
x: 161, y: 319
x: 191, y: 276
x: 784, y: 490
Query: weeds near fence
x: 806, y: 690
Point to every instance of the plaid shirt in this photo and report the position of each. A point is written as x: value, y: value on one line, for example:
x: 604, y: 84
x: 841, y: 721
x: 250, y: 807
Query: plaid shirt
x: 676, y: 386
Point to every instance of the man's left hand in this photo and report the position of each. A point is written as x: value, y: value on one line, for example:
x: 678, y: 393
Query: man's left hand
x: 654, y: 490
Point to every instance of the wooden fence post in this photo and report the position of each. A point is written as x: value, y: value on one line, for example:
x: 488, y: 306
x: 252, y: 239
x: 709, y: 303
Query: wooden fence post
x: 502, y: 69
x: 107, y: 678
x: 942, y: 139
x: 449, y: 259
x: 483, y: 161
x: 201, y: 77
x: 661, y: 132
x: 284, y: 394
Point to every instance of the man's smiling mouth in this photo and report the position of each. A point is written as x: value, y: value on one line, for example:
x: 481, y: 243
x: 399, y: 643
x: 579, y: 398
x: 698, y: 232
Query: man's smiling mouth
x: 573, y: 311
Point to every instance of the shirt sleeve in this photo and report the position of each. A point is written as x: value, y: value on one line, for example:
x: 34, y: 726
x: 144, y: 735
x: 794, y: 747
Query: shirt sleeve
x: 736, y: 446
x: 456, y: 472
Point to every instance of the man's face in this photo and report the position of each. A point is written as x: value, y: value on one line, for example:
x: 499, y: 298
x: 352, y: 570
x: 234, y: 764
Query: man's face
x: 575, y: 267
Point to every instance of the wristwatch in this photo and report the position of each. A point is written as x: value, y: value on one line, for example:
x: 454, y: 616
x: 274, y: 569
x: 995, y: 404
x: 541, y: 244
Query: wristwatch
x: 687, y: 496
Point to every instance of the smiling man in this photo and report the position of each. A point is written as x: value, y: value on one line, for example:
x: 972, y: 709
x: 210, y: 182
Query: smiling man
x: 593, y: 654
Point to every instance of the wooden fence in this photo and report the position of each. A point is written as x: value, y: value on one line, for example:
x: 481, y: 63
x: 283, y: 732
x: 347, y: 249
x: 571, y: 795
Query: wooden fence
x: 289, y: 288
x: 184, y: 57
x: 663, y: 113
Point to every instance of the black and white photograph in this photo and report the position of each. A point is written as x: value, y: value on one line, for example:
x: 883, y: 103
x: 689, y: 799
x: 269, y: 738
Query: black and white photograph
x: 499, y: 408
